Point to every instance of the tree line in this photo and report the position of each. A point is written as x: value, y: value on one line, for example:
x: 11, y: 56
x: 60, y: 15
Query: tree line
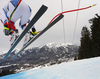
x: 90, y: 39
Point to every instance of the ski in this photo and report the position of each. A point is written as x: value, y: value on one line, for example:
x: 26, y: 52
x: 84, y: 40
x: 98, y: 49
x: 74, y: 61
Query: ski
x: 40, y: 12
x: 38, y: 35
x: 28, y: 37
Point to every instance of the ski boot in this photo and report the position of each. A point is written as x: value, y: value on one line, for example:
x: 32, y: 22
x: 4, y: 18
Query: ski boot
x: 14, y: 36
x: 27, y: 38
x: 34, y: 33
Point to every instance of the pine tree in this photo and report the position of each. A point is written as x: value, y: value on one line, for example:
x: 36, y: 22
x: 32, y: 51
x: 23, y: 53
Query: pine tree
x: 84, y: 49
x: 6, y: 72
x: 75, y: 58
x: 95, y: 35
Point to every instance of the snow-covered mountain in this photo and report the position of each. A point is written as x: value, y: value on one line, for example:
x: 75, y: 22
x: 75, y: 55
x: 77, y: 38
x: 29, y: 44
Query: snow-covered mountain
x: 81, y: 69
x: 56, y: 45
x: 1, y: 53
x: 50, y: 53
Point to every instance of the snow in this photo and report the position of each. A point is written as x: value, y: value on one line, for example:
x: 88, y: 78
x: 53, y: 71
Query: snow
x: 80, y: 69
x: 4, y: 52
x: 1, y: 53
x: 8, y: 65
x: 16, y: 50
x: 56, y: 44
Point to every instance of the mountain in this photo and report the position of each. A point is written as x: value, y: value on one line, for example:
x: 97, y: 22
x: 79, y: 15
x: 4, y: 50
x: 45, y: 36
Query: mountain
x: 80, y: 69
x: 51, y: 53
x: 1, y: 53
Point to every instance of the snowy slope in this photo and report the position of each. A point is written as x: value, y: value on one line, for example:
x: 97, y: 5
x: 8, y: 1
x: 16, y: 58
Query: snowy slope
x: 81, y: 69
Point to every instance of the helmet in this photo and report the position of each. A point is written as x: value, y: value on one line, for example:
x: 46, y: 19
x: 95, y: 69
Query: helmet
x: 7, y: 32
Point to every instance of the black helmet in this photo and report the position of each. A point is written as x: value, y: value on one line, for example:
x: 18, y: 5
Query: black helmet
x: 7, y: 32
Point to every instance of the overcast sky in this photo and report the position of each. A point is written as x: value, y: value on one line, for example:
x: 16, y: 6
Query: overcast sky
x: 56, y: 33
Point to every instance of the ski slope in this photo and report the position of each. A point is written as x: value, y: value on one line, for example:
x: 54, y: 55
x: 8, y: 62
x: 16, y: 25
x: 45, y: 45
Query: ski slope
x: 80, y: 69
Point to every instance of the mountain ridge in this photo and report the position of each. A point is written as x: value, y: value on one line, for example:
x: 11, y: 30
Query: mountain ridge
x: 50, y: 53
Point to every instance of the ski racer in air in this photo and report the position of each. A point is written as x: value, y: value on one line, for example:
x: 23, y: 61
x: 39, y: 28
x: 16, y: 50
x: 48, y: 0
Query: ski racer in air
x: 23, y: 12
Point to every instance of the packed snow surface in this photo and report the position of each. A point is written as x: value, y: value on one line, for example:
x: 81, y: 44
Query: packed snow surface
x: 80, y: 69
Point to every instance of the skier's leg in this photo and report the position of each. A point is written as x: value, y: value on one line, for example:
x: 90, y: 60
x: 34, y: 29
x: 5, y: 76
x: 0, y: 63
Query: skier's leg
x: 25, y: 15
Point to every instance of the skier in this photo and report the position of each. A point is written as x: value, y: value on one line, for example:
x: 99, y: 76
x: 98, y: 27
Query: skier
x: 23, y: 12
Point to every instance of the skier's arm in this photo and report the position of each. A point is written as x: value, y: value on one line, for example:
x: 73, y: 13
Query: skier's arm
x: 6, y: 7
x: 3, y: 12
x: 3, y: 16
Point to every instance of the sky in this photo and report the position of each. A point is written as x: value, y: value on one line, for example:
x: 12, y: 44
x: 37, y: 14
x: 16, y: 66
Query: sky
x: 64, y: 31
x: 81, y: 69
